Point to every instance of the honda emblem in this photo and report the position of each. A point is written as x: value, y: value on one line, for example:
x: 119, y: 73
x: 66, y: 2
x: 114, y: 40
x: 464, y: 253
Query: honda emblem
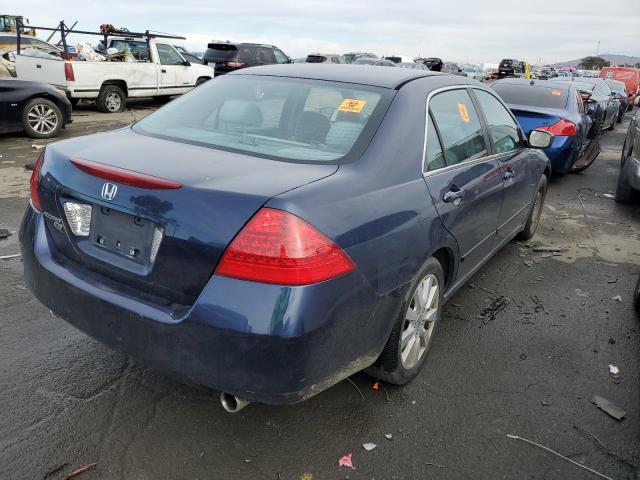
x: 109, y: 191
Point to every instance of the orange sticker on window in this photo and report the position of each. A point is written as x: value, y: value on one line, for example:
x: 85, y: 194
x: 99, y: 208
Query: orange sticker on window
x: 351, y: 105
x: 556, y: 93
x: 464, y: 113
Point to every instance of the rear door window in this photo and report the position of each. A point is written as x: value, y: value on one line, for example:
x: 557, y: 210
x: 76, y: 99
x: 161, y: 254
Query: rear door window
x: 265, y: 55
x: 435, y: 158
x: 503, y: 129
x: 459, y: 126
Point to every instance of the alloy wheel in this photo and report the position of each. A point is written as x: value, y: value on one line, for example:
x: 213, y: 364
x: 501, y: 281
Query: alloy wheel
x: 42, y: 119
x: 419, y: 321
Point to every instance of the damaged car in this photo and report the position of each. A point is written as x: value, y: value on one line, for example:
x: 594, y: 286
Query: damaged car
x: 628, y: 187
x: 318, y: 219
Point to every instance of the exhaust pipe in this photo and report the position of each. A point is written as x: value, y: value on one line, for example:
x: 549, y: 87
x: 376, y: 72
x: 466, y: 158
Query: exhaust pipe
x: 231, y: 403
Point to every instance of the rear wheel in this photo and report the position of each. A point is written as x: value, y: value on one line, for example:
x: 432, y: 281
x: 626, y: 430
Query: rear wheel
x: 111, y: 99
x: 410, y: 340
x: 536, y: 211
x: 41, y: 118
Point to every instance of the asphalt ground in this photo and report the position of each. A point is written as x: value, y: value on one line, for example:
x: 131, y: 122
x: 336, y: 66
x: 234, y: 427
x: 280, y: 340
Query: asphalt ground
x: 521, y: 350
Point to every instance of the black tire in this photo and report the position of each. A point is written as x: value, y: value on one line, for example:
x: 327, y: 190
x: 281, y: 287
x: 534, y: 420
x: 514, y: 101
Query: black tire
x: 624, y: 192
x: 201, y: 80
x: 111, y: 99
x: 636, y: 297
x: 533, y: 220
x: 41, y: 118
x: 613, y: 125
x: 390, y: 366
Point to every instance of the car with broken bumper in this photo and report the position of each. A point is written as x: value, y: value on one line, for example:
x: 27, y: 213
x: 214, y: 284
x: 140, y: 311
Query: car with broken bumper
x: 283, y: 227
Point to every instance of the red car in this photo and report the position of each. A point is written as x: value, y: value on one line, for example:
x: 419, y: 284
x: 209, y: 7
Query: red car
x: 629, y: 75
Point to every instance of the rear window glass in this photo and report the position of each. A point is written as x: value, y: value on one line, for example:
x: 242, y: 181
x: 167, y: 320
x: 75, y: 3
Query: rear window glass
x: 506, y: 63
x: 279, y: 118
x: 544, y: 97
x: 220, y: 53
x: 316, y: 59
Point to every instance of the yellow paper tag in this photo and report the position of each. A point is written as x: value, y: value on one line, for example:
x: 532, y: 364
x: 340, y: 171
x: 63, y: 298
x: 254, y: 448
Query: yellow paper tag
x: 352, y: 105
x: 556, y: 93
x: 464, y: 113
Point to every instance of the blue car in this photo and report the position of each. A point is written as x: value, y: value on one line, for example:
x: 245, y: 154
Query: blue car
x: 558, y: 108
x: 283, y: 227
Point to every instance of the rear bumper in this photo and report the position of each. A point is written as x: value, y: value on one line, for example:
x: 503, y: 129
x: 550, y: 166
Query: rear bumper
x: 561, y: 154
x: 263, y: 343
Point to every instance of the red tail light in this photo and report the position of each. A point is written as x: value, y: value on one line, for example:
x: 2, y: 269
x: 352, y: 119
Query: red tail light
x: 562, y: 128
x: 126, y: 177
x: 278, y: 247
x: 235, y: 64
x: 68, y: 72
x: 35, y: 182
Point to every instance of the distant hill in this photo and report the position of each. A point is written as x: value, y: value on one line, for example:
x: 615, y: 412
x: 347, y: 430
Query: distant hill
x: 614, y: 59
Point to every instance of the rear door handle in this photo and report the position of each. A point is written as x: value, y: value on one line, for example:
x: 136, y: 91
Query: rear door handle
x: 454, y: 195
x: 163, y: 71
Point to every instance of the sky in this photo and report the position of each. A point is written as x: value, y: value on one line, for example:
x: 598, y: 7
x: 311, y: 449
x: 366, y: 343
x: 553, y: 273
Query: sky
x: 456, y: 30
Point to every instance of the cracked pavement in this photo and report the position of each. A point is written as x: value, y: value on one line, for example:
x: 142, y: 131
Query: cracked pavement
x: 67, y: 400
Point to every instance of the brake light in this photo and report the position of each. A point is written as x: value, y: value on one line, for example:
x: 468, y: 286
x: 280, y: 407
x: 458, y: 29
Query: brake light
x: 126, y: 177
x: 278, y: 247
x: 562, y: 128
x: 34, y: 183
x: 234, y: 64
x: 68, y: 72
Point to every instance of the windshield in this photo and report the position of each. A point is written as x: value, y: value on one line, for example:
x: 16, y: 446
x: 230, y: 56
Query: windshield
x: 544, y: 97
x: 279, y: 118
x: 364, y: 61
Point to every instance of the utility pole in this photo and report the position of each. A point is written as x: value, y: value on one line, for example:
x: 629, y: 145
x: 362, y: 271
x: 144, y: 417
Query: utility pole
x: 598, y: 48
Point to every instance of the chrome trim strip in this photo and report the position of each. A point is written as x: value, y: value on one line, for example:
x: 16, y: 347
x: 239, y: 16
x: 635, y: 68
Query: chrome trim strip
x: 492, y: 234
x: 514, y: 215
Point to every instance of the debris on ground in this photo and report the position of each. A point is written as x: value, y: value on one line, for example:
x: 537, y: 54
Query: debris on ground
x: 608, y: 407
x: 608, y: 195
x: 528, y: 263
x: 4, y: 233
x: 38, y: 147
x: 617, y: 298
x: 82, y: 469
x: 357, y: 388
x: 346, y: 461
x: 30, y: 166
x: 549, y: 255
x: 544, y: 403
x: 490, y: 312
x: 612, y: 340
x: 369, y: 446
x: 539, y: 306
x: 376, y: 386
x: 607, y: 450
x: 388, y: 436
x: 522, y: 439
x: 437, y: 465
x: 615, y: 372
x: 543, y: 249
x: 305, y: 476
x: 247, y: 460
x: 523, y: 356
x: 8, y: 257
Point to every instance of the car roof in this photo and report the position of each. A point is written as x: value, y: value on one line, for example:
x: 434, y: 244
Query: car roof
x: 525, y: 82
x: 245, y: 44
x: 386, y: 77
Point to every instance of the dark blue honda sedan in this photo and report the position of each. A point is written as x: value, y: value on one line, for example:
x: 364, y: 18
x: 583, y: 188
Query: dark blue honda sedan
x: 283, y: 227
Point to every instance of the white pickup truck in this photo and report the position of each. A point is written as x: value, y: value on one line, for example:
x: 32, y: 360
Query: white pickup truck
x: 110, y: 83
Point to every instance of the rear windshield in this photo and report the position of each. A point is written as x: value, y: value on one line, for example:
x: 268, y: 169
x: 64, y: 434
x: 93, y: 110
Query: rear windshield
x: 507, y: 62
x: 271, y: 117
x: 544, y: 97
x: 616, y: 86
x: 220, y: 52
x: 316, y: 59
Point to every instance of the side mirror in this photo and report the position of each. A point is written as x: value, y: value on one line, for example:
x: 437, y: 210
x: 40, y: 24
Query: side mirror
x: 186, y: 63
x: 540, y: 139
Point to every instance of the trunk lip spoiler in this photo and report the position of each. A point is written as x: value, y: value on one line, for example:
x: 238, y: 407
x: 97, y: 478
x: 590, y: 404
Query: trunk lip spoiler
x: 124, y: 176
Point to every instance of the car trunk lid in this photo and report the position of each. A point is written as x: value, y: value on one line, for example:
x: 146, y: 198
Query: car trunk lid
x: 531, y: 118
x: 213, y: 194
